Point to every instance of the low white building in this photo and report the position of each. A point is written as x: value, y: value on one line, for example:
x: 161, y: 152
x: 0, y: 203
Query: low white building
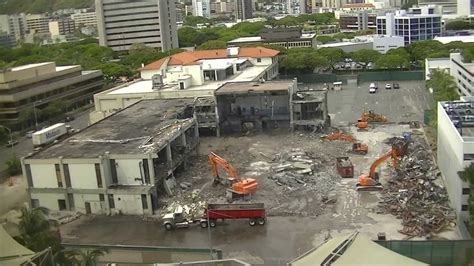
x: 448, y: 39
x: 350, y: 45
x: 456, y: 149
x: 462, y: 73
x: 383, y: 43
x: 118, y: 165
x: 189, y: 74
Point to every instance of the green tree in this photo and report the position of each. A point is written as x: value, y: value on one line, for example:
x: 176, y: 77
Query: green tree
x: 13, y: 166
x: 4, y: 135
x: 467, y: 175
x: 55, y: 108
x: 365, y: 56
x: 389, y: 61
x: 459, y: 25
x: 194, y: 20
x: 443, y: 86
x: 332, y: 55
x: 26, y: 116
x: 213, y: 44
x: 288, y: 21
x: 325, y: 39
x: 422, y: 49
x: 113, y: 71
x: 86, y: 257
x: 303, y: 59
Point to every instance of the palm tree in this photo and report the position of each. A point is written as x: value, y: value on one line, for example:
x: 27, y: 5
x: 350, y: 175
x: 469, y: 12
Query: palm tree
x: 35, y: 230
x: 87, y: 257
x: 468, y: 176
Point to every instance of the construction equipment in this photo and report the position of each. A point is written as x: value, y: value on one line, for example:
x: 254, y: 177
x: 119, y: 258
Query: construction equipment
x: 255, y: 212
x: 344, y: 167
x: 357, y: 147
x: 238, y: 187
x: 371, y: 181
x: 369, y: 117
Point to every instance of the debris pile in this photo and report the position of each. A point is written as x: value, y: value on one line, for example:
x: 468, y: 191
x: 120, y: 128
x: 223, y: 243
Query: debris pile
x: 191, y: 210
x: 414, y: 194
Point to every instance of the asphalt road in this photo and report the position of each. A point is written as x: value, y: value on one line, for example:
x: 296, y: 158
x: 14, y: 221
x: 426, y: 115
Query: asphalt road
x: 25, y: 146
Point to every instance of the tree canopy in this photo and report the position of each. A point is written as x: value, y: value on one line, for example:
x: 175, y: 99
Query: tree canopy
x: 391, y: 61
x: 459, y: 25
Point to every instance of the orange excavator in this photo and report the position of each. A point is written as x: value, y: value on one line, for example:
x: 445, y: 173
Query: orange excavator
x: 357, y: 147
x: 367, y: 117
x: 371, y: 182
x: 238, y: 186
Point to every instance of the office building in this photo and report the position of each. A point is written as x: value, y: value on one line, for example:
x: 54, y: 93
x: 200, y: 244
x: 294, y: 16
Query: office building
x: 285, y: 37
x: 243, y: 9
x: 448, y: 6
x: 333, y: 3
x: 85, y: 19
x: 39, y: 84
x: 37, y: 23
x: 202, y: 8
x: 357, y: 21
x: 121, y: 23
x: 14, y: 25
x: 62, y: 26
x: 107, y: 168
x: 425, y: 25
x: 465, y: 8
x: 455, y: 149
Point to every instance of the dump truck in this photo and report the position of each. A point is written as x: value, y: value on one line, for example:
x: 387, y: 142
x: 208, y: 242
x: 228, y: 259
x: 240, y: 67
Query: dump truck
x: 49, y: 134
x: 344, y: 167
x: 254, y: 212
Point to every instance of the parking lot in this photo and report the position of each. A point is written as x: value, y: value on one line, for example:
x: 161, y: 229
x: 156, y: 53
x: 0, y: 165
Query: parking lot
x: 285, y: 237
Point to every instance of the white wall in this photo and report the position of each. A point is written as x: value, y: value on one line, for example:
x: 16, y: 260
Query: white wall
x: 83, y: 176
x: 48, y: 200
x: 129, y: 204
x: 127, y: 171
x: 265, y: 61
x: 196, y: 72
x: 97, y: 207
x: 383, y: 44
x: 44, y: 176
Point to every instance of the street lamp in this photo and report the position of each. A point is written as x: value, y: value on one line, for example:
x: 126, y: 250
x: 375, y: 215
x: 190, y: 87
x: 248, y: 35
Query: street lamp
x: 34, y: 112
x: 11, y: 139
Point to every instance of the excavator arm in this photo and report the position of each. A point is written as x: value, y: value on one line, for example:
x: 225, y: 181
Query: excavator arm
x: 391, y: 154
x: 371, y: 181
x: 216, y: 161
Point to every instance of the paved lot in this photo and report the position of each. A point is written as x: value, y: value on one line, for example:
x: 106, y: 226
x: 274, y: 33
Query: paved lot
x: 284, y: 238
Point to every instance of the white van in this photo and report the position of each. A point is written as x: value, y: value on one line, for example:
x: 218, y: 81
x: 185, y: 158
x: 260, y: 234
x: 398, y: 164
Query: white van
x: 373, y: 88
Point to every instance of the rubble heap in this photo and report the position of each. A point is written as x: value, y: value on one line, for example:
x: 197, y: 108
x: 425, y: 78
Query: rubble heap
x: 415, y: 195
x: 297, y: 168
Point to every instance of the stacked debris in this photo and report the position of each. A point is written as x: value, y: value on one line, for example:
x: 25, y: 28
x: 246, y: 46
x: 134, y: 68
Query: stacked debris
x: 192, y: 209
x: 415, y: 194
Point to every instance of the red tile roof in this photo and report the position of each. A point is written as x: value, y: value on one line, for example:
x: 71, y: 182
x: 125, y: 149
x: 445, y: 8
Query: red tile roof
x: 191, y: 58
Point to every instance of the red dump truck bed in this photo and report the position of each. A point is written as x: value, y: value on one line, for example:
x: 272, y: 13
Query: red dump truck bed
x: 236, y: 211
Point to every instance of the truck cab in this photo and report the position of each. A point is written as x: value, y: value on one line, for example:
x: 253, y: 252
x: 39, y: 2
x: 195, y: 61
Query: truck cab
x: 175, y: 220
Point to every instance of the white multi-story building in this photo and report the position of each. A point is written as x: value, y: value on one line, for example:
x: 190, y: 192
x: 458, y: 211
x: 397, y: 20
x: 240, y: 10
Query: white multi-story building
x: 202, y: 8
x: 118, y: 165
x: 38, y: 23
x: 85, y: 19
x: 14, y: 25
x: 383, y: 44
x: 121, y: 23
x: 462, y: 73
x: 456, y: 149
x: 413, y: 25
x: 465, y: 8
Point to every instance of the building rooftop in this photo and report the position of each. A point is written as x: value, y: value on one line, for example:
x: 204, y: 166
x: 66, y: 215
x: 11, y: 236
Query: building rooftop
x: 358, y: 5
x: 461, y: 114
x: 448, y: 39
x: 193, y: 57
x: 339, y: 44
x: 146, y: 86
x: 18, y: 68
x: 259, y: 38
x: 143, y: 127
x: 254, y: 87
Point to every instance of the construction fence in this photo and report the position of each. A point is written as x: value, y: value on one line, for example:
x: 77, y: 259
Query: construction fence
x: 434, y: 252
x: 313, y: 78
x: 390, y: 75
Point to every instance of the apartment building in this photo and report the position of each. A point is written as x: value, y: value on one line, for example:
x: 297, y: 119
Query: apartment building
x: 62, y: 26
x: 117, y: 166
x: 416, y: 25
x: 202, y: 8
x: 121, y: 23
x: 37, y: 85
x: 14, y: 25
x: 85, y: 19
x: 38, y: 23
x: 243, y: 9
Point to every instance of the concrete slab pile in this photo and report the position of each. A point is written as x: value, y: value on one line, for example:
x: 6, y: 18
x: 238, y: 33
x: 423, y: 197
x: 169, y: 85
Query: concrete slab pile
x: 416, y: 195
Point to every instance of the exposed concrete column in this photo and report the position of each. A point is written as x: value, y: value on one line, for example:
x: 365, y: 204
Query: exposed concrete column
x: 149, y: 210
x: 183, y: 139
x: 63, y: 181
x: 290, y: 99
x: 218, y: 127
x: 151, y: 168
x: 169, y: 156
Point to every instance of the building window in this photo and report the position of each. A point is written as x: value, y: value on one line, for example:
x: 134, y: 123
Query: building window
x: 146, y: 171
x: 259, y: 60
x: 101, y: 197
x: 62, y: 204
x: 35, y: 203
x: 111, y: 201
x: 58, y: 175
x: 98, y: 175
x: 29, y: 178
x: 464, y: 208
x: 113, y: 171
x: 466, y: 191
x: 67, y: 177
x: 144, y: 202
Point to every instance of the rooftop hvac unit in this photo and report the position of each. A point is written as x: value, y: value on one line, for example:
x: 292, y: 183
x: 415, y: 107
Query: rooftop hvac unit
x: 157, y: 81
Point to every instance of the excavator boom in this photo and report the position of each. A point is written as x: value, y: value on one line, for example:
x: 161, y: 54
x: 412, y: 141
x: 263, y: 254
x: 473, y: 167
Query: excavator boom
x: 371, y: 181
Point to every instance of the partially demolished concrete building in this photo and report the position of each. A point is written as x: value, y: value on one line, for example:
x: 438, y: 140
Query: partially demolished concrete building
x: 118, y: 165
x: 262, y: 105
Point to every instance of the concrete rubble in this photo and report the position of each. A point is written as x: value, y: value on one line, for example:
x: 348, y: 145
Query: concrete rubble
x: 416, y: 195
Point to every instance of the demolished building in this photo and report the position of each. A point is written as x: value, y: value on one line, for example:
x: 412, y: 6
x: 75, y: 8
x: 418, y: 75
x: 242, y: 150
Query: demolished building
x: 118, y: 165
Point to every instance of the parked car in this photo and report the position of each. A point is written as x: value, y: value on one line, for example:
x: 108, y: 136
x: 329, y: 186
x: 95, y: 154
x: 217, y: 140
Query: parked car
x: 373, y: 85
x: 12, y: 143
x: 388, y: 86
x: 396, y: 86
x: 372, y: 90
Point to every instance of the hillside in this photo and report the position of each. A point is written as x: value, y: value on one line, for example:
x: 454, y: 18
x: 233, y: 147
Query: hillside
x: 40, y: 6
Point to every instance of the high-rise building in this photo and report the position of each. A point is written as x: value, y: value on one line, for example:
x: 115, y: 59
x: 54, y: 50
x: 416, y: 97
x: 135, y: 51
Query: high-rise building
x: 243, y: 9
x: 413, y: 25
x: 333, y: 3
x: 357, y: 21
x: 38, y: 23
x: 202, y: 8
x: 121, y: 23
x: 85, y: 19
x: 465, y: 8
x: 14, y: 25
